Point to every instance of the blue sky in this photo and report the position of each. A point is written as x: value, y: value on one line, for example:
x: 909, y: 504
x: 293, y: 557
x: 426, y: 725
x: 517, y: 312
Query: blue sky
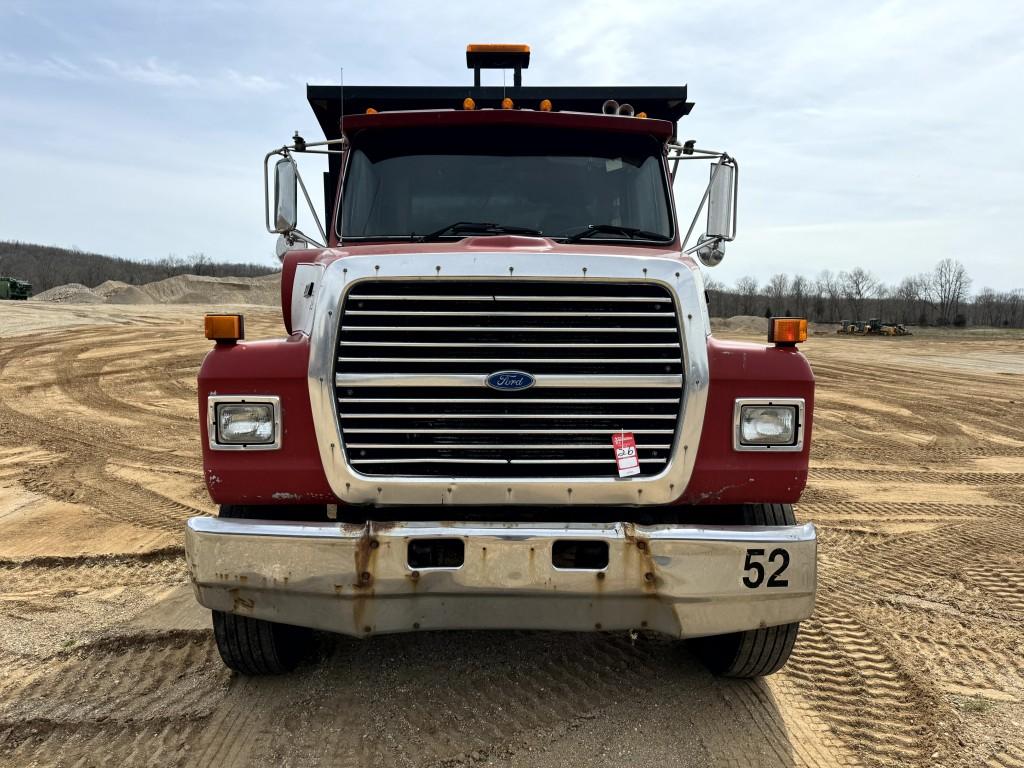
x: 885, y: 135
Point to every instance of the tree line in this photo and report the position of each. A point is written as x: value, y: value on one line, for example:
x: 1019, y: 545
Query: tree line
x: 939, y: 297
x: 47, y: 266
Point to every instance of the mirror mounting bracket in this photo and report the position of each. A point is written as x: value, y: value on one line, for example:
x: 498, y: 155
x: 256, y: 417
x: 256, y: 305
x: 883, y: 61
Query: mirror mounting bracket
x: 299, y: 145
x: 710, y: 245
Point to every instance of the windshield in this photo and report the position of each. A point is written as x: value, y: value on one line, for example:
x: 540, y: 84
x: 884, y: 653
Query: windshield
x: 453, y: 182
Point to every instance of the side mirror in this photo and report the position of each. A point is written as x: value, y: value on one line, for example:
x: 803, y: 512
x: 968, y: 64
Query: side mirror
x: 286, y: 196
x: 710, y: 251
x: 722, y: 202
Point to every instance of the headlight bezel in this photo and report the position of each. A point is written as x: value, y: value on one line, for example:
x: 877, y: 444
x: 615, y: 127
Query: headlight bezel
x: 796, y: 403
x: 212, y: 421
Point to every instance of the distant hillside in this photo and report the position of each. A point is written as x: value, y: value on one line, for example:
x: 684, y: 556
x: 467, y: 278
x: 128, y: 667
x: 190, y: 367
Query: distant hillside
x: 46, y: 266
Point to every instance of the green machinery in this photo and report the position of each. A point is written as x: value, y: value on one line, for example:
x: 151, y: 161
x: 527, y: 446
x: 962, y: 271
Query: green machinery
x: 872, y: 327
x: 16, y: 290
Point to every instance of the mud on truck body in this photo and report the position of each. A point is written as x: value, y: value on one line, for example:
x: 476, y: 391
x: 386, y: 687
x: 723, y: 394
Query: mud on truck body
x: 499, y: 404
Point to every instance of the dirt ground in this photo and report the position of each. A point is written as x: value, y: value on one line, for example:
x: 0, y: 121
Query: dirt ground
x: 915, y: 654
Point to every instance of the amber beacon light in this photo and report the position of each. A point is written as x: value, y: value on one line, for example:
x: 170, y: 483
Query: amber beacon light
x: 787, y: 331
x: 498, y: 56
x: 225, y: 329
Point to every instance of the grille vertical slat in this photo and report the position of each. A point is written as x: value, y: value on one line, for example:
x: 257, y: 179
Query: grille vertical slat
x: 412, y: 398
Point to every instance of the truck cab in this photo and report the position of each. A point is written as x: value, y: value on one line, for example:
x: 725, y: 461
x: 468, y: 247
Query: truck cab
x: 499, y: 404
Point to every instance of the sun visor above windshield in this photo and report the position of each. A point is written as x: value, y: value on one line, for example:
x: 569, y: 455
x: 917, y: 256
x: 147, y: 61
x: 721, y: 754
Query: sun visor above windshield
x: 355, y: 125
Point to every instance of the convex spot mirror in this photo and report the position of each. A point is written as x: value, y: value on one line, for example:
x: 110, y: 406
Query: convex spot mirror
x: 710, y: 251
x: 285, y: 195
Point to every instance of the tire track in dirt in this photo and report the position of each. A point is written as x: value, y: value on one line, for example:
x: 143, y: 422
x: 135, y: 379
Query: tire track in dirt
x: 48, y: 574
x: 87, y: 445
x: 862, y: 692
x: 160, y: 742
x: 501, y: 692
x: 135, y: 700
x: 880, y: 476
x: 1011, y: 757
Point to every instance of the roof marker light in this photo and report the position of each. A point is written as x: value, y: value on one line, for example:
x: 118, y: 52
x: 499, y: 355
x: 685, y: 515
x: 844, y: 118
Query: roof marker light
x: 468, y: 103
x: 371, y: 111
x: 642, y: 115
x: 545, y: 105
x: 506, y: 103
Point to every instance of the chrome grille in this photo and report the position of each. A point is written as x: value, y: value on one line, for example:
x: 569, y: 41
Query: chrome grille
x: 413, y: 356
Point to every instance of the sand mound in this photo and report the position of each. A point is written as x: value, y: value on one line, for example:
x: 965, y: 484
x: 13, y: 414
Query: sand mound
x: 181, y: 289
x: 740, y: 324
x: 72, y: 293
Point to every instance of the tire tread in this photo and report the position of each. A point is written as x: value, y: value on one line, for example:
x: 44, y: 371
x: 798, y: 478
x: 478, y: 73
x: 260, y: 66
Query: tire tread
x: 257, y: 647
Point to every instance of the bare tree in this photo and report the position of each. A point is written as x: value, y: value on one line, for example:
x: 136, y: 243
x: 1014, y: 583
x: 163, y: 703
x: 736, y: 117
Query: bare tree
x: 199, y: 262
x: 798, y: 290
x: 831, y: 289
x: 777, y: 288
x: 913, y: 298
x: 746, y: 287
x: 950, y: 286
x: 858, y: 286
x: 716, y: 292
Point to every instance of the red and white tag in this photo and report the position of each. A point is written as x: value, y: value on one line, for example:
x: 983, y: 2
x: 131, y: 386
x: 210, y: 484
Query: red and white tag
x: 625, y: 454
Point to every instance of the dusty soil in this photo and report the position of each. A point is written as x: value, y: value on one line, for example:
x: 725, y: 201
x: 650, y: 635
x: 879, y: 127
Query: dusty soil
x: 913, y: 657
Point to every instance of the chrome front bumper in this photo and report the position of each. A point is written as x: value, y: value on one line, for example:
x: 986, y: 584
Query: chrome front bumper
x: 684, y: 581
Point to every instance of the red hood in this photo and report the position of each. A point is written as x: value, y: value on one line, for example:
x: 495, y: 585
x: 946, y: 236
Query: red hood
x: 489, y: 244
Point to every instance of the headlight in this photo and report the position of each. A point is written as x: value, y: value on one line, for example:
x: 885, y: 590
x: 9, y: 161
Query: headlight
x: 241, y: 422
x: 769, y: 425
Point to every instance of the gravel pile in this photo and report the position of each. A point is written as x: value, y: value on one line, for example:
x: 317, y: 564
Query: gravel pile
x: 181, y: 289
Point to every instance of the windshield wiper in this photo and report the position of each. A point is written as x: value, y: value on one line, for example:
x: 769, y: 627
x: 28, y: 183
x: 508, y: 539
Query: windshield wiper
x: 613, y: 229
x: 478, y: 228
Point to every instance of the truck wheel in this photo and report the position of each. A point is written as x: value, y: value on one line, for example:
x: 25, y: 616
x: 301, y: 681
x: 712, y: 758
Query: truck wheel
x: 754, y: 652
x: 257, y: 647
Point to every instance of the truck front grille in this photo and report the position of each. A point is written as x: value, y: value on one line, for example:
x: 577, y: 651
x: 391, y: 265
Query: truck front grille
x: 413, y: 357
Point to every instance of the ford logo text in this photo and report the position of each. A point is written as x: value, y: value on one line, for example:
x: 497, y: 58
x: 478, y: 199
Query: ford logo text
x: 510, y: 381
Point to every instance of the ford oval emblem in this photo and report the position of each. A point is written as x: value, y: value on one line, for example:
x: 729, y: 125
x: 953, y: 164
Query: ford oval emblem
x: 510, y: 381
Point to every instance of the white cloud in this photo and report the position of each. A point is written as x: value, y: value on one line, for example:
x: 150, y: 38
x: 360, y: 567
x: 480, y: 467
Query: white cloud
x: 149, y: 72
x: 254, y: 83
x: 50, y: 67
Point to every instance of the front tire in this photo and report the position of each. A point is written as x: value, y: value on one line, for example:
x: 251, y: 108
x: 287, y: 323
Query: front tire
x: 257, y: 647
x: 753, y: 652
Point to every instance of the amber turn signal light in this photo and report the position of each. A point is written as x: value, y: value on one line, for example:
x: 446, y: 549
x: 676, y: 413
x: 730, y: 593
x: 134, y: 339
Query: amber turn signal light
x: 787, y: 331
x: 225, y: 329
x: 468, y: 103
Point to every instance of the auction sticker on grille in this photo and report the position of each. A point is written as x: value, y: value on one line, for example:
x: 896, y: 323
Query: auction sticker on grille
x: 625, y: 454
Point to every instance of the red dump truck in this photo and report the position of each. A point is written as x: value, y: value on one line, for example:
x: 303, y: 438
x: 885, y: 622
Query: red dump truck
x: 499, y: 404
